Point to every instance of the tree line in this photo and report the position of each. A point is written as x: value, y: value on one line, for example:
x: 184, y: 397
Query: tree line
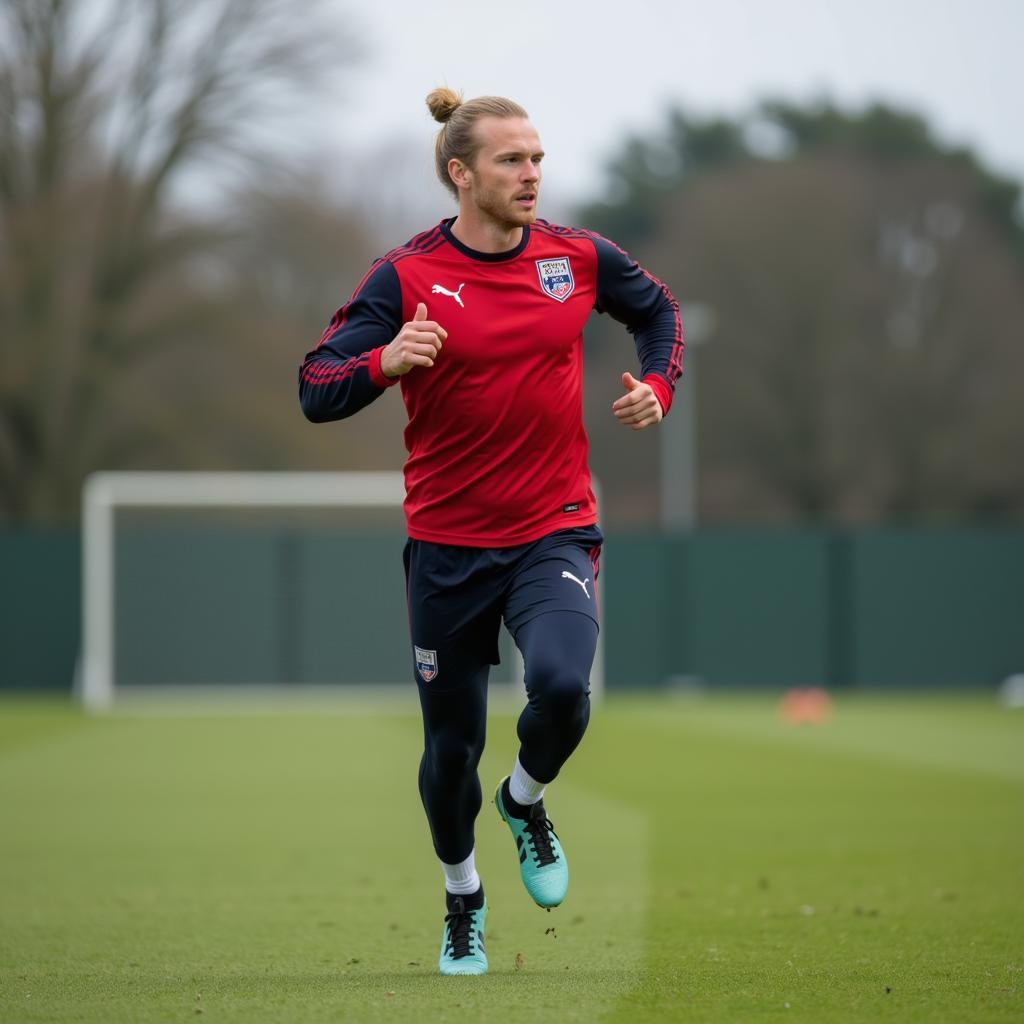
x: 867, y: 361
x: 867, y: 364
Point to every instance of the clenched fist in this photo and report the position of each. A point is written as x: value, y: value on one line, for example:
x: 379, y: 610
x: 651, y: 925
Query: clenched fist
x: 416, y: 344
x: 639, y: 406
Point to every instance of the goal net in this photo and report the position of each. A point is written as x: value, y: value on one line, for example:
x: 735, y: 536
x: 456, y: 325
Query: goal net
x: 250, y: 584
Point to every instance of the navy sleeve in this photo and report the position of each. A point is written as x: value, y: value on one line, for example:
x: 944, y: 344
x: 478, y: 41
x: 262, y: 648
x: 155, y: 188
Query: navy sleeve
x: 342, y: 374
x: 646, y: 307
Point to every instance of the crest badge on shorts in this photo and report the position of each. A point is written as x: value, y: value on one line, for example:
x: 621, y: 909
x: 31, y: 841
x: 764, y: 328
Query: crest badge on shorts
x: 426, y: 663
x: 556, y: 277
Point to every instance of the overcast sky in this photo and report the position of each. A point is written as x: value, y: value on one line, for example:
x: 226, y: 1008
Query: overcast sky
x: 590, y: 72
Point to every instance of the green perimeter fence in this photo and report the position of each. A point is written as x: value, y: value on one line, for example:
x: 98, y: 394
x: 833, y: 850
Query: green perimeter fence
x: 775, y: 608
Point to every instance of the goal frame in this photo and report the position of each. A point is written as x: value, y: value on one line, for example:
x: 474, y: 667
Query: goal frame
x: 105, y: 493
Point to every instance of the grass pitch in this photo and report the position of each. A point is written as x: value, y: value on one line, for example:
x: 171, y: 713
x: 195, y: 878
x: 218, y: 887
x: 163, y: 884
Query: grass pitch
x: 725, y: 867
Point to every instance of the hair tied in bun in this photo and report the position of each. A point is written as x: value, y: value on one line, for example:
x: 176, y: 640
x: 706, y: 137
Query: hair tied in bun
x: 442, y: 103
x: 456, y: 138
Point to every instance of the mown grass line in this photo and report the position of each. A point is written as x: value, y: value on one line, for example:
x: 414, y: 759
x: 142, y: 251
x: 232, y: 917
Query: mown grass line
x: 724, y: 866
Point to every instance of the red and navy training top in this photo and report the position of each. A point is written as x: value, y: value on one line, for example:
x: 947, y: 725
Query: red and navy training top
x: 497, y: 448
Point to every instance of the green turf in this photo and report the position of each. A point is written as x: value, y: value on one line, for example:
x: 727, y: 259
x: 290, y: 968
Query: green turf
x: 726, y: 867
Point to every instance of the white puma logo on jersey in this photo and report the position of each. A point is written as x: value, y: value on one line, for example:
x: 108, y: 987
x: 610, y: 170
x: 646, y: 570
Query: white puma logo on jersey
x: 441, y: 290
x: 575, y: 579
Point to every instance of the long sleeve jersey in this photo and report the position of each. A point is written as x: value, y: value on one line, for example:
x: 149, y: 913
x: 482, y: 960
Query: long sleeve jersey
x: 497, y: 448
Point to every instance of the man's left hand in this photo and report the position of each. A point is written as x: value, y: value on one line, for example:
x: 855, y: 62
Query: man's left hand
x: 639, y: 406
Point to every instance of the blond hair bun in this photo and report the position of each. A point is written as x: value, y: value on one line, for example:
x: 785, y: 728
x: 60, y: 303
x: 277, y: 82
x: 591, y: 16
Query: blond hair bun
x: 456, y: 139
x: 442, y: 103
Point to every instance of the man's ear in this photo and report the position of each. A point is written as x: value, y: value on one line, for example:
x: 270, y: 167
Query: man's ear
x: 459, y: 173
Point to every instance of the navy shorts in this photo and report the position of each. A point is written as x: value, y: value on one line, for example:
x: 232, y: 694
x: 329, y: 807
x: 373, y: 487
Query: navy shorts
x: 459, y: 595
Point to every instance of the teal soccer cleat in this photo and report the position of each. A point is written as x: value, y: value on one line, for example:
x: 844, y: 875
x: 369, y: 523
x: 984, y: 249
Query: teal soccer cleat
x: 462, y: 941
x: 542, y: 863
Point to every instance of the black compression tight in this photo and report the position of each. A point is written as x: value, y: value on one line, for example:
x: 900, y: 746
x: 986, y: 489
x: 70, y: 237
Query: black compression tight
x: 558, y: 651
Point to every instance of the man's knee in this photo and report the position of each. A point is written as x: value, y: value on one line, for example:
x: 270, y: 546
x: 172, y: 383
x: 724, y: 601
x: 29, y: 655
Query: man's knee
x: 563, y: 691
x: 451, y: 756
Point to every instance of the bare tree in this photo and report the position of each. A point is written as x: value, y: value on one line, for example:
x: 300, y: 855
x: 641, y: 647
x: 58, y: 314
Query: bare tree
x: 106, y: 111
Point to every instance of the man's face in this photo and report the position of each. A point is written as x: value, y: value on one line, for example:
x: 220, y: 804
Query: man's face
x: 505, y: 179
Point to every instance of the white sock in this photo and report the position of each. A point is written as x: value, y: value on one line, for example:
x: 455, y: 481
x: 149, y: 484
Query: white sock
x: 461, y: 879
x: 523, y: 788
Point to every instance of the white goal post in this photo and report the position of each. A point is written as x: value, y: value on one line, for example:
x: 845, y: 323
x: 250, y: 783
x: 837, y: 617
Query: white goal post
x: 107, y: 493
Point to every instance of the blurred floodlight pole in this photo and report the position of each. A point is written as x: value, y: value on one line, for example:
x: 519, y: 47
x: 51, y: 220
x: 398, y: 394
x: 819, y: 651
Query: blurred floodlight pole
x: 678, y: 431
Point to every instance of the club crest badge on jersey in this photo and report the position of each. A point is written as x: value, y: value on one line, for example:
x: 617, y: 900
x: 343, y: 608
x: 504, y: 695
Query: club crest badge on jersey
x: 556, y: 277
x: 426, y: 663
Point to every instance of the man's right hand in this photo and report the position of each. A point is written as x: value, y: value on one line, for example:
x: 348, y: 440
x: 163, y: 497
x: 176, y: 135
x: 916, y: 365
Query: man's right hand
x: 416, y: 344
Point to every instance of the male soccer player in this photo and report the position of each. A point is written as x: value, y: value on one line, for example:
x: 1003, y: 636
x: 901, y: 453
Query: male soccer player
x: 480, y: 319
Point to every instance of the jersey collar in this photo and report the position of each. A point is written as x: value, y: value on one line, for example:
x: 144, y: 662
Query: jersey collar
x: 486, y: 257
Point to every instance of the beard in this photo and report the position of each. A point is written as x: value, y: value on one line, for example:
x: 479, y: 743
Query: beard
x: 500, y: 207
